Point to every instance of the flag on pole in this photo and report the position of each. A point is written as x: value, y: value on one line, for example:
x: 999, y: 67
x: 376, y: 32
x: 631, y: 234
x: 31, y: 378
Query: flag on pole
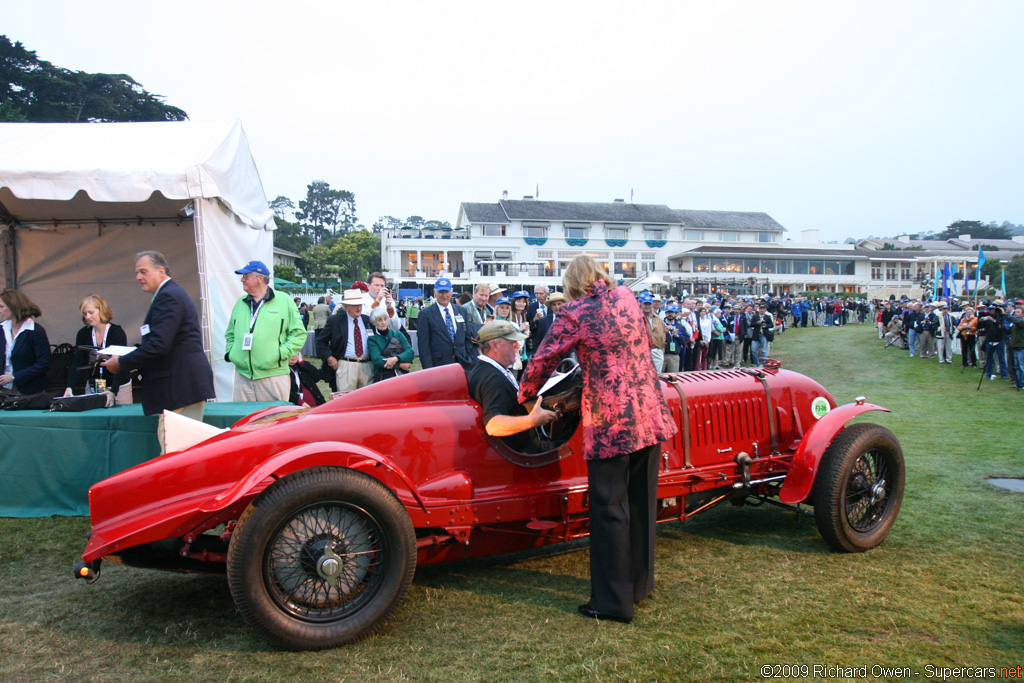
x: 1003, y: 285
x: 631, y: 195
x: 536, y: 193
x: 977, y: 273
x: 945, y: 280
x: 935, y: 280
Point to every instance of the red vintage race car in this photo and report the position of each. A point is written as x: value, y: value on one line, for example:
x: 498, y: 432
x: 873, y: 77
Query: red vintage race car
x: 319, y: 517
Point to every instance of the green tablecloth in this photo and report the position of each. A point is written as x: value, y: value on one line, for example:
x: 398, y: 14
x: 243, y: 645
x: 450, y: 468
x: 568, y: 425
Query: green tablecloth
x: 48, y: 461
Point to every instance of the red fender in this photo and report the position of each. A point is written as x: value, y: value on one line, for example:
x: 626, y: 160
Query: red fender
x: 267, y: 412
x: 316, y: 454
x: 808, y: 454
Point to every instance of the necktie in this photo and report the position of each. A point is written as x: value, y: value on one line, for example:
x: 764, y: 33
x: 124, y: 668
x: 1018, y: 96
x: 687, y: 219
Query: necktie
x: 358, y: 339
x: 450, y: 324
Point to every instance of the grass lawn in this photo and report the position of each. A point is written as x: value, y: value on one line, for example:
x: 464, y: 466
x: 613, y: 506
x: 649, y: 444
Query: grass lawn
x: 737, y: 588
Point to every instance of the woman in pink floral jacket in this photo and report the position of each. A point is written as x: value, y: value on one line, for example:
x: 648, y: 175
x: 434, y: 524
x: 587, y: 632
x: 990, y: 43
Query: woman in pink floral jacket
x: 625, y: 419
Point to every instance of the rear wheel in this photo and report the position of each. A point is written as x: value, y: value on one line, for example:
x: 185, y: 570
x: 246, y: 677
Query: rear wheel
x: 859, y: 488
x: 321, y: 558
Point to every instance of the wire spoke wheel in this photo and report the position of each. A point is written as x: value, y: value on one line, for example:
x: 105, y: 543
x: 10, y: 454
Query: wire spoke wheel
x: 859, y: 487
x: 868, y: 490
x: 326, y: 562
x: 321, y: 558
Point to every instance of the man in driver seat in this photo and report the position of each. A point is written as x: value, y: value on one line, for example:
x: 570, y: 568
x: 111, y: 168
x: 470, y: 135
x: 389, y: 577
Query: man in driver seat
x: 496, y: 389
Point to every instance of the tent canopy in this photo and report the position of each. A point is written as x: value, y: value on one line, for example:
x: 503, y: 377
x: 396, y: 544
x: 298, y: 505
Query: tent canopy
x: 126, y: 163
x: 78, y: 201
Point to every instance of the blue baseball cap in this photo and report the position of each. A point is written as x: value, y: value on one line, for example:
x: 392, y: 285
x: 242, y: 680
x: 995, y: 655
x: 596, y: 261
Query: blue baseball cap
x: 646, y: 298
x: 503, y: 300
x: 254, y: 267
x: 443, y: 285
x: 520, y: 293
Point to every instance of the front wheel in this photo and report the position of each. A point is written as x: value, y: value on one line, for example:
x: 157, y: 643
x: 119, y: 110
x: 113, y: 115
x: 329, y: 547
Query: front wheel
x: 859, y: 488
x: 321, y: 558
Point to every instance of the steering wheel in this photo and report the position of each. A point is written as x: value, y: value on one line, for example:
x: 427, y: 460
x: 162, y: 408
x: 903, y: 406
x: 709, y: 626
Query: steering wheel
x: 565, y: 400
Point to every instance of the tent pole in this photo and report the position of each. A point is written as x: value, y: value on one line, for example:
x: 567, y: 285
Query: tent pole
x: 205, y: 302
x: 10, y: 254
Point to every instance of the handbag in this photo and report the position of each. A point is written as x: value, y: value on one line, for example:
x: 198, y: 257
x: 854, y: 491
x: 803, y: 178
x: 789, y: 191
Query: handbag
x: 40, y: 401
x: 79, y: 404
x: 393, y: 348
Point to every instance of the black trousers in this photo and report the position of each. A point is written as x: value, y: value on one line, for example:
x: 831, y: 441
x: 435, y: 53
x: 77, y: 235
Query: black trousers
x: 623, y: 512
x: 967, y: 354
x: 688, y: 360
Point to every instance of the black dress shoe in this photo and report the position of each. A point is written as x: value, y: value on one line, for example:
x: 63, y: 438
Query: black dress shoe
x: 590, y: 612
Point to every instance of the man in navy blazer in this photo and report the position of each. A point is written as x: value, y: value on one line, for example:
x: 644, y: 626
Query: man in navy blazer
x: 176, y: 373
x: 344, y: 360
x: 540, y: 329
x: 538, y: 306
x: 433, y: 336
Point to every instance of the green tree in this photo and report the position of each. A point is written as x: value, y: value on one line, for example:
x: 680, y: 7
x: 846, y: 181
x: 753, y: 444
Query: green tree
x: 291, y: 236
x: 316, y: 261
x: 285, y: 272
x: 414, y: 221
x: 1015, y: 278
x: 356, y: 255
x: 976, y: 229
x: 991, y: 269
x: 391, y: 223
x: 32, y: 89
x: 282, y: 206
x: 325, y: 212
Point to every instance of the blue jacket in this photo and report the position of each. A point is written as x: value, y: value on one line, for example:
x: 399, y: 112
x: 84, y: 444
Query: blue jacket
x: 30, y: 359
x: 435, y: 344
x: 175, y: 370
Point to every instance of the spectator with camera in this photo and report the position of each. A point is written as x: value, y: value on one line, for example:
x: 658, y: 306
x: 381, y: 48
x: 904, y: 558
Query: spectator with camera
x: 990, y: 325
x: 377, y: 294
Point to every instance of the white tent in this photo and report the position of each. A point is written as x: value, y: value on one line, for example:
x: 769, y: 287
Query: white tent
x: 78, y: 201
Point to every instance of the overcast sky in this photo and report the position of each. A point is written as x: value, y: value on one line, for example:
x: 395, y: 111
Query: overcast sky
x: 850, y: 117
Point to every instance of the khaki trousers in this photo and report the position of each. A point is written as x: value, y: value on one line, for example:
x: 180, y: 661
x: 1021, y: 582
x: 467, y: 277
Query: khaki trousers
x: 266, y: 389
x: 671, y: 362
x: 352, y: 376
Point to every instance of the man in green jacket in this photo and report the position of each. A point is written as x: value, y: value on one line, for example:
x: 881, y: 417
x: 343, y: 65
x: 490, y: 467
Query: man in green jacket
x: 264, y: 331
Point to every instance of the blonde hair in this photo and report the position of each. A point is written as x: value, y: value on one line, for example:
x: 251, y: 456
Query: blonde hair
x: 582, y: 272
x: 106, y: 314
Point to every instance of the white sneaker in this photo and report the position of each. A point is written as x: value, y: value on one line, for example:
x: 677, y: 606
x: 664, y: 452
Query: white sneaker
x: 992, y: 377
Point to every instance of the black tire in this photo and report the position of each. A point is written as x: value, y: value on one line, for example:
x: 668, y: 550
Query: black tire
x: 859, y: 488
x: 321, y: 558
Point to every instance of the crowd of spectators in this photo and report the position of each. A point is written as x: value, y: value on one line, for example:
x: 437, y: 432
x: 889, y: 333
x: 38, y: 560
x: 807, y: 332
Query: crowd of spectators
x: 987, y: 334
